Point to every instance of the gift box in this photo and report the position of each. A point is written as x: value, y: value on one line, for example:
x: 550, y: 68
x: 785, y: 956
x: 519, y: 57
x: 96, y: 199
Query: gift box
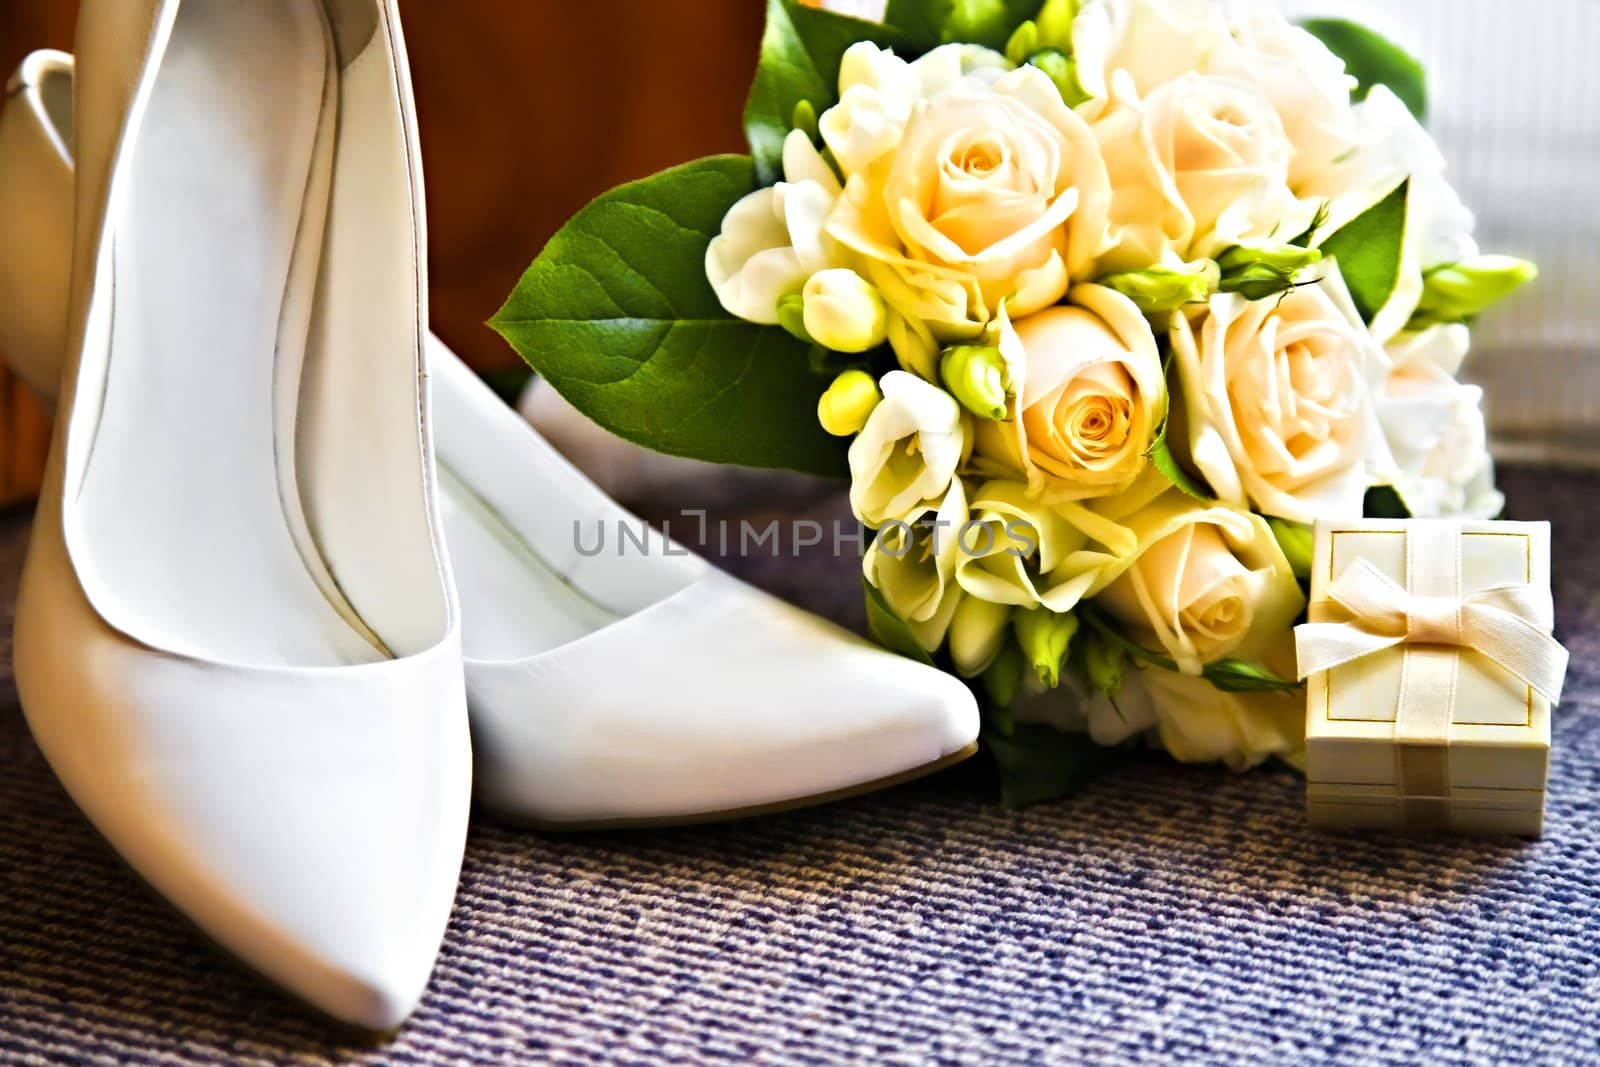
x: 1430, y: 674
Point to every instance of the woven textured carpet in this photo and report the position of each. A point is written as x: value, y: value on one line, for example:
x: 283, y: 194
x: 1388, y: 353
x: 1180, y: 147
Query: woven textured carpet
x: 1166, y: 914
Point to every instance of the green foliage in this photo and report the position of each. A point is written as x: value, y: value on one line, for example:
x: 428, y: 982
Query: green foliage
x: 1039, y: 763
x: 1004, y: 675
x: 930, y: 23
x: 1296, y: 540
x: 1368, y: 249
x: 1161, y: 455
x: 890, y: 630
x: 798, y: 74
x: 617, y: 314
x: 1373, y: 59
x: 1383, y: 502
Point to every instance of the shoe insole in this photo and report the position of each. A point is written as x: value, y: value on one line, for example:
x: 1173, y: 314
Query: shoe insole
x: 186, y: 513
x: 512, y: 604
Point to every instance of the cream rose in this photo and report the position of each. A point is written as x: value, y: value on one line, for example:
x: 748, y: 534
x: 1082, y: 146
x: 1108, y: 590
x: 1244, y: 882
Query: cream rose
x: 1151, y: 42
x: 1088, y: 398
x: 1278, y: 401
x: 774, y: 239
x: 1435, y: 430
x: 906, y: 454
x: 1305, y: 84
x: 1206, y: 583
x: 1198, y: 165
x: 993, y: 192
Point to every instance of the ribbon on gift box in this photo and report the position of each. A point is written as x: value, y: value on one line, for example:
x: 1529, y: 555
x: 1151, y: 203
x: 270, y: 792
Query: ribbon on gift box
x: 1433, y: 621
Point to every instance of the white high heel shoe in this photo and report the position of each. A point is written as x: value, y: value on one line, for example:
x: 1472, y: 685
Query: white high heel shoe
x: 613, y: 690
x: 236, y: 637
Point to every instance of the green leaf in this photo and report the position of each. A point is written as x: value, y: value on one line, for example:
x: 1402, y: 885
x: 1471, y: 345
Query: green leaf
x: 1160, y: 450
x: 800, y: 53
x: 890, y: 630
x: 1038, y: 763
x: 930, y: 23
x: 1368, y: 249
x: 617, y: 314
x: 1373, y: 59
x: 1173, y: 471
x: 1003, y: 677
x: 1296, y: 539
x: 1383, y: 502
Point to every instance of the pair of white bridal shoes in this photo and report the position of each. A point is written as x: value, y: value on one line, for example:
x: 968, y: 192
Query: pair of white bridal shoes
x: 239, y: 642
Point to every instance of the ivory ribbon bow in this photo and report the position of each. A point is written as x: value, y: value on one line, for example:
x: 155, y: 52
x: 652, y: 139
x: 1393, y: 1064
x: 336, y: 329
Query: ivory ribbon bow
x: 1503, y: 623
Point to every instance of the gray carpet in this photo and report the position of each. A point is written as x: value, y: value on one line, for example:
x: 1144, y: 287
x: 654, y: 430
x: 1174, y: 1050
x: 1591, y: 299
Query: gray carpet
x: 1167, y: 914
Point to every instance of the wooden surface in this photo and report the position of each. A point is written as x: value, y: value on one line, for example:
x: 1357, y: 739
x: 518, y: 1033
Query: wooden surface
x: 528, y: 109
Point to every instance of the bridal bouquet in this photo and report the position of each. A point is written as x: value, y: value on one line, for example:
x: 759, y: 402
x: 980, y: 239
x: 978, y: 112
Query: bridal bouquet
x: 1098, y: 304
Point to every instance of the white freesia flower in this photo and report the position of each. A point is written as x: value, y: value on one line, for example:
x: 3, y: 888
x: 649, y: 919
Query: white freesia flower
x: 994, y: 191
x: 1435, y: 429
x: 1199, y: 164
x: 1026, y: 553
x: 1206, y: 583
x: 912, y: 562
x: 879, y: 91
x: 774, y: 239
x: 908, y: 451
x: 1278, y: 401
x: 1088, y: 397
x: 876, y: 92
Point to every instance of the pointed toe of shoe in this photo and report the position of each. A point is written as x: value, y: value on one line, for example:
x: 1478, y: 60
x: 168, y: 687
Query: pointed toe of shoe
x: 939, y: 708
x: 376, y: 1001
x: 311, y: 822
x: 720, y: 700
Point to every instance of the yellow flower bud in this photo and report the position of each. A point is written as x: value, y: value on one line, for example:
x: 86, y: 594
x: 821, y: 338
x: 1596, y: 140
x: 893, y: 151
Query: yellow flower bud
x: 843, y: 311
x: 1258, y: 270
x: 791, y: 316
x: 1063, y: 70
x: 975, y: 375
x: 1045, y: 637
x: 1160, y: 289
x: 845, y: 405
x: 1003, y: 677
x: 1461, y: 290
x: 977, y: 631
x: 1103, y: 664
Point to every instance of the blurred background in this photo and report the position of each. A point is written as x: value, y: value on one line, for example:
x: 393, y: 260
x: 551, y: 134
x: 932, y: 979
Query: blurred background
x: 529, y: 108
